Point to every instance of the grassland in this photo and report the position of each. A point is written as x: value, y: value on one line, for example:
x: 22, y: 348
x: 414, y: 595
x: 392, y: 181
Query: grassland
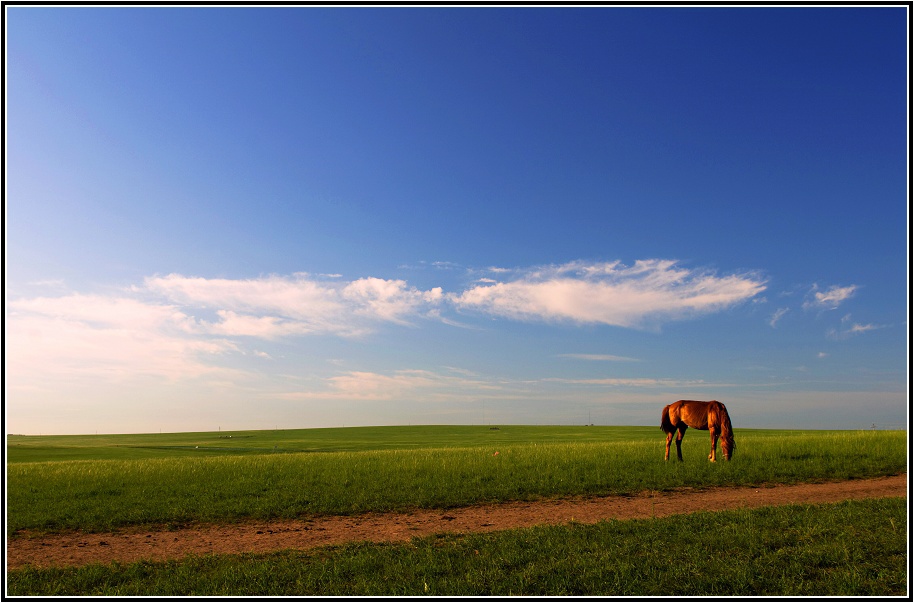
x: 368, y: 472
x: 95, y: 483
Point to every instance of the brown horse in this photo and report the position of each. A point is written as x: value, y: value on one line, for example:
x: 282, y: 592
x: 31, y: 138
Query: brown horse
x: 710, y: 416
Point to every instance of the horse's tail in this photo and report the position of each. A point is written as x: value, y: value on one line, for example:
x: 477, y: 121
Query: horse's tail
x: 726, y: 431
x: 665, y: 424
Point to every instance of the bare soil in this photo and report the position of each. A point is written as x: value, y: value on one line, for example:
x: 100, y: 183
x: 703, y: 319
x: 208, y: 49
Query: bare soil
x: 73, y: 549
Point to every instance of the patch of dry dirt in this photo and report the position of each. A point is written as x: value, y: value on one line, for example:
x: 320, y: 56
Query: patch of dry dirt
x: 131, y: 545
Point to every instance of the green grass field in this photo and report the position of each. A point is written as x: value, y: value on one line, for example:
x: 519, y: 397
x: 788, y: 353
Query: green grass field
x: 173, y: 479
x: 95, y: 483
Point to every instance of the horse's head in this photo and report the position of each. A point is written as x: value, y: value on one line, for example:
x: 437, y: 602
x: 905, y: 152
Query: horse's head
x: 728, y: 446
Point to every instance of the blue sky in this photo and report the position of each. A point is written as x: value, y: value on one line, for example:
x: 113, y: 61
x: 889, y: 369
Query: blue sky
x: 251, y: 218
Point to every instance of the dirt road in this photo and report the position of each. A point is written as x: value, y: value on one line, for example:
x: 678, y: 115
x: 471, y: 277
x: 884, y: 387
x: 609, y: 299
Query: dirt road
x: 132, y: 545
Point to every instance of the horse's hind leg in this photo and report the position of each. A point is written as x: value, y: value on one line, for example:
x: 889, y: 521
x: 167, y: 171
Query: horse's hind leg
x: 679, y: 435
x: 669, y: 440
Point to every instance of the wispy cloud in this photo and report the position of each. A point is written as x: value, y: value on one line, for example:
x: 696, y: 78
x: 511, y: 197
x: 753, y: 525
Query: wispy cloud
x: 49, y: 283
x: 631, y: 382
x: 653, y: 382
x: 442, y: 265
x: 856, y: 328
x: 457, y: 385
x: 599, y: 357
x: 849, y: 328
x: 398, y: 385
x: 644, y: 294
x: 829, y: 299
x: 777, y: 316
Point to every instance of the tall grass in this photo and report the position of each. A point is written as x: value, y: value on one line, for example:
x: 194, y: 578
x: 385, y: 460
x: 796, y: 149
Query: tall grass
x: 106, y: 494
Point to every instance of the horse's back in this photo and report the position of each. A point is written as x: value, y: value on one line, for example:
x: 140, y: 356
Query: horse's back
x: 693, y: 413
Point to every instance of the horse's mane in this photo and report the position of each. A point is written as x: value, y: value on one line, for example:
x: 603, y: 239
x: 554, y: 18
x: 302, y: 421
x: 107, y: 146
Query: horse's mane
x: 726, y: 429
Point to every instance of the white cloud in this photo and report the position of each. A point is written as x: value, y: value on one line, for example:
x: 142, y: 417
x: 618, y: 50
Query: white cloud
x: 829, y: 299
x: 113, y: 312
x: 174, y: 327
x: 602, y: 293
x: 275, y: 306
x: 313, y: 305
x: 609, y: 293
x: 116, y: 337
x: 232, y: 324
x: 179, y: 327
x: 388, y: 300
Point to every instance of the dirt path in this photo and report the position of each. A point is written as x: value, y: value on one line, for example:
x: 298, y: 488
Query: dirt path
x: 131, y: 545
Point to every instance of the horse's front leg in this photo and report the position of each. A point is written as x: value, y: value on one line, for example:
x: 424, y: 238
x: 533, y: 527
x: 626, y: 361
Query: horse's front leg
x: 714, y: 435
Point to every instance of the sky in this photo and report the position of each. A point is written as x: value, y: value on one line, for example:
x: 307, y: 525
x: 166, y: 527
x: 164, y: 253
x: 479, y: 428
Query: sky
x: 228, y: 218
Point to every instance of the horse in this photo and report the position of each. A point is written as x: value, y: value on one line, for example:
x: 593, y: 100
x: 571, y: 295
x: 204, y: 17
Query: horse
x: 710, y: 416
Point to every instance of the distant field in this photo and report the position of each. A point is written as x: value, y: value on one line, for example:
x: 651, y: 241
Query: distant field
x: 26, y: 448
x: 96, y: 483
x: 344, y: 439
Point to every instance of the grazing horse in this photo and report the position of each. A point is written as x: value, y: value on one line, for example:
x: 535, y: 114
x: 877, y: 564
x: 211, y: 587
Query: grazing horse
x: 710, y: 416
